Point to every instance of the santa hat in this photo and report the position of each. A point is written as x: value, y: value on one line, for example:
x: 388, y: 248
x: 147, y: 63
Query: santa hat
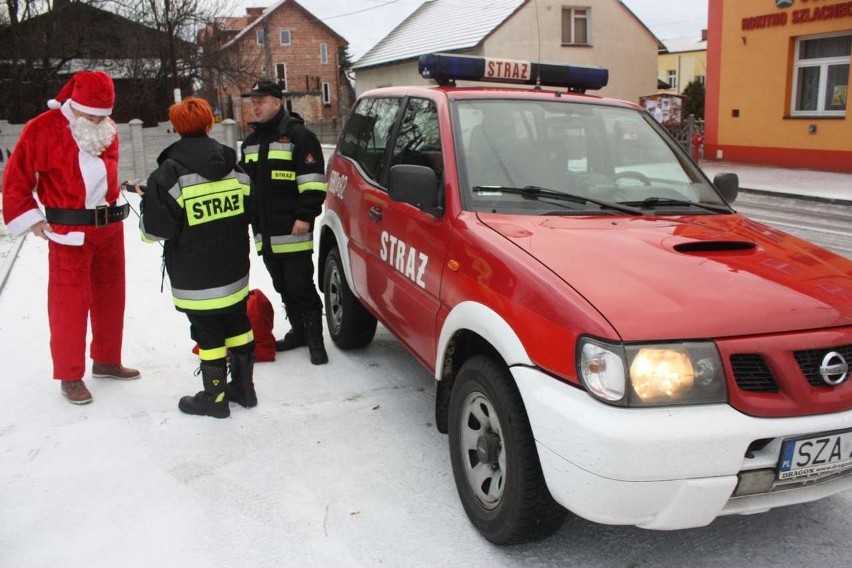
x: 91, y: 92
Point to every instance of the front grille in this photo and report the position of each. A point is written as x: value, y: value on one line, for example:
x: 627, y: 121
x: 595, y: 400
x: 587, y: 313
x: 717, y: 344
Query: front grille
x: 810, y: 361
x: 752, y: 373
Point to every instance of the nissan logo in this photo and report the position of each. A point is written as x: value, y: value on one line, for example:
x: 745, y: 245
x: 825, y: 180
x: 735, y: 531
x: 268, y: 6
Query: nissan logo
x: 834, y: 368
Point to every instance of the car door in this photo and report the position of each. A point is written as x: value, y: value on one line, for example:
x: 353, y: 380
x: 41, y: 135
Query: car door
x: 407, y: 245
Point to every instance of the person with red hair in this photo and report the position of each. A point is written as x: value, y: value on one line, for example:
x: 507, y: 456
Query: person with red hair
x: 198, y: 202
x: 68, y: 156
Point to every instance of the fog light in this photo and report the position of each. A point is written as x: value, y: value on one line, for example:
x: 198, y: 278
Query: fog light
x: 754, y: 482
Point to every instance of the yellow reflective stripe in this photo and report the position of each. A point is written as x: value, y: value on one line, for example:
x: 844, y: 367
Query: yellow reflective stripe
x: 212, y: 303
x: 312, y: 186
x: 249, y: 158
x: 280, y: 155
x: 220, y: 397
x: 208, y: 187
x: 283, y: 175
x: 212, y: 354
x: 241, y: 339
x: 293, y: 247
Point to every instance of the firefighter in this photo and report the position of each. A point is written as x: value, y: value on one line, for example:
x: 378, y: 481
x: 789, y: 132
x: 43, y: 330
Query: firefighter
x: 198, y: 202
x: 285, y: 162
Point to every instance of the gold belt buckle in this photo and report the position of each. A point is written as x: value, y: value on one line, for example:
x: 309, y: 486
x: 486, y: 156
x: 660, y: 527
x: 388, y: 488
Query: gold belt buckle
x: 101, y: 215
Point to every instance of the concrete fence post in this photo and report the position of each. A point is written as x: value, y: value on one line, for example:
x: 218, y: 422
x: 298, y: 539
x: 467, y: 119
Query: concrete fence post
x: 137, y: 147
x: 229, y: 127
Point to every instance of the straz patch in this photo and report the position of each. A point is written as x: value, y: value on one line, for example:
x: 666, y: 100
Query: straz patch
x: 283, y: 175
x: 213, y: 207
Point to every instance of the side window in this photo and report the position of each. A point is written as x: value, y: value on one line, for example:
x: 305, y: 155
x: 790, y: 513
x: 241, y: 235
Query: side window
x: 366, y: 137
x: 419, y: 139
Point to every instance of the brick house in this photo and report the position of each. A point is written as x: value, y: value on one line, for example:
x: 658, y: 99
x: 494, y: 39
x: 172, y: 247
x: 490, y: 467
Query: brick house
x: 286, y: 43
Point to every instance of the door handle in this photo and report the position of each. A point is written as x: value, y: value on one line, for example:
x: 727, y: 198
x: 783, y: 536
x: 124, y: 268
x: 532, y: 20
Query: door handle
x: 376, y: 213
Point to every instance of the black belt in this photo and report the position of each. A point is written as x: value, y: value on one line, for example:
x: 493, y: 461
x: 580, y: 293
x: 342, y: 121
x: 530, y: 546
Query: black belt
x: 99, y: 216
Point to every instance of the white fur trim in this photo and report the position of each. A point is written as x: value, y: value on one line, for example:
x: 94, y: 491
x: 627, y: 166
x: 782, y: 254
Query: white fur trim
x: 91, y: 110
x: 22, y: 223
x: 54, y: 104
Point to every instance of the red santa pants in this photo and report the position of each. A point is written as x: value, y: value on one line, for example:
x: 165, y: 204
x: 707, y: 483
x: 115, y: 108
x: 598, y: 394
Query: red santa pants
x: 86, y: 280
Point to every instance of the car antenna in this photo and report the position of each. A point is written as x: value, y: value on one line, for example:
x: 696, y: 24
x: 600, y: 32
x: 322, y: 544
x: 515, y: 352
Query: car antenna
x: 538, y: 67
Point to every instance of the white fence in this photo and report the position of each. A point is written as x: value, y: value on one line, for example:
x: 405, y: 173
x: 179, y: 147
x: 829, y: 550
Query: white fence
x: 138, y: 147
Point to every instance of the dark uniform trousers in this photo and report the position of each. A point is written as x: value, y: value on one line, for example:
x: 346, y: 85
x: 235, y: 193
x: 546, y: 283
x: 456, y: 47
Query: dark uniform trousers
x: 293, y: 278
x: 214, y: 331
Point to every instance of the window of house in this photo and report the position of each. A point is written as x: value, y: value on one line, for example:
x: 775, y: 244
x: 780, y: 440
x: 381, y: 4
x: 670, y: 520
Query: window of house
x: 821, y: 75
x: 575, y: 26
x: 281, y: 75
x: 671, y: 78
x: 284, y: 37
x: 367, y: 132
x: 260, y: 37
x: 323, y: 53
x: 326, y: 93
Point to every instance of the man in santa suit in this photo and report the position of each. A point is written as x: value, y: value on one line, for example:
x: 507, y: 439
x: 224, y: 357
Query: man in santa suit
x: 69, y: 156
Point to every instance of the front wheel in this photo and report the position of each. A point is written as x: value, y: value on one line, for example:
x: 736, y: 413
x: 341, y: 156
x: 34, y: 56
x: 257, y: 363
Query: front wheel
x: 350, y: 325
x: 494, y: 459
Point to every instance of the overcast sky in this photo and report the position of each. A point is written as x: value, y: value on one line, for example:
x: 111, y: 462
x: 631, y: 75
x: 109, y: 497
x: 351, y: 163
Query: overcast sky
x: 364, y: 22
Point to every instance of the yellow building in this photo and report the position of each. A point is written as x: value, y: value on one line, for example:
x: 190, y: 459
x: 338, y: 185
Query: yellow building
x: 681, y: 62
x: 777, y: 83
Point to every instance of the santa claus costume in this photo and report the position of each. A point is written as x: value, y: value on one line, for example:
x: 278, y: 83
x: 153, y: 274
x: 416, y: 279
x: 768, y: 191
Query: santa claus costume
x: 69, y: 156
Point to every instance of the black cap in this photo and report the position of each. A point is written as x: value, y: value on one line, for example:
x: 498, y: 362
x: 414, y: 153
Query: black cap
x: 265, y: 87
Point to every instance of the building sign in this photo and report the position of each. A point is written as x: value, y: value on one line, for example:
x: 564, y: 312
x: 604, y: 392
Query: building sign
x: 819, y: 10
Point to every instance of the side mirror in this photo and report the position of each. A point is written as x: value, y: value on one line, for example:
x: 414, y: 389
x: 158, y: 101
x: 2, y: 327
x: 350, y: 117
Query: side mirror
x: 728, y: 185
x: 417, y: 186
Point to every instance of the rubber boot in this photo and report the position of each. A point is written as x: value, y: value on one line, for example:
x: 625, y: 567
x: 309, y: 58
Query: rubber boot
x: 313, y: 329
x: 241, y: 388
x: 212, y: 400
x: 296, y: 336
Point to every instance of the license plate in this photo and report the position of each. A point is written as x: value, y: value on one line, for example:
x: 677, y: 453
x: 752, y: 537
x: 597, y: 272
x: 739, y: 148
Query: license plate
x: 816, y: 455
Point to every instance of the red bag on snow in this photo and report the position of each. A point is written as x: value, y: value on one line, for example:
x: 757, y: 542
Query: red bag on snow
x: 262, y: 317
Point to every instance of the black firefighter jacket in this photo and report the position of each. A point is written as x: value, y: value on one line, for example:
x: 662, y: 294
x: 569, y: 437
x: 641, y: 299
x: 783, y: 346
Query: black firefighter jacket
x: 284, y: 160
x: 199, y: 203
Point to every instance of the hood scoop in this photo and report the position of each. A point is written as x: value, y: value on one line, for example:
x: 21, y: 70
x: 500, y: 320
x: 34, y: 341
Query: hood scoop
x: 705, y: 247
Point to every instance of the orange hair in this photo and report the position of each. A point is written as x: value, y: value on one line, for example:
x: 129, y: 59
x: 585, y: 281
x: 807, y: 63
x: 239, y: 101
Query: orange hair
x: 191, y: 117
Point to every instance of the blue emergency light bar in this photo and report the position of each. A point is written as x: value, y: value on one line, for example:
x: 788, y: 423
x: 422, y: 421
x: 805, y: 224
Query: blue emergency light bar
x: 446, y: 68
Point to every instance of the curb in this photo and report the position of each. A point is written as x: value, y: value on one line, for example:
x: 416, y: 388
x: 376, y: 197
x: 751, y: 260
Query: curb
x: 831, y: 200
x: 10, y: 260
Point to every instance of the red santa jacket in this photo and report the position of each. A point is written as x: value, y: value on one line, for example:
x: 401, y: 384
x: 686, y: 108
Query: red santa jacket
x: 47, y: 159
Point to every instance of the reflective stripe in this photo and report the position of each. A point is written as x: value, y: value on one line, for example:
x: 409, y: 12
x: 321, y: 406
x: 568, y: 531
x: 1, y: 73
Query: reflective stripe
x: 292, y: 243
x: 280, y: 155
x: 146, y: 236
x: 311, y: 182
x: 251, y: 153
x: 212, y: 354
x: 241, y: 339
x: 212, y: 298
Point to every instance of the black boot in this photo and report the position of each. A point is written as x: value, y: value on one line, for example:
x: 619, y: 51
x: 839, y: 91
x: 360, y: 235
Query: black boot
x: 241, y: 388
x: 313, y: 329
x: 211, y: 401
x: 296, y: 336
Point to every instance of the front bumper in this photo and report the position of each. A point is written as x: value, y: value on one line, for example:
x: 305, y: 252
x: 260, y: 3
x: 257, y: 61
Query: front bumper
x: 661, y: 468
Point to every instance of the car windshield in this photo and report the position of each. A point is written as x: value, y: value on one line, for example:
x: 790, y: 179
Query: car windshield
x: 605, y: 154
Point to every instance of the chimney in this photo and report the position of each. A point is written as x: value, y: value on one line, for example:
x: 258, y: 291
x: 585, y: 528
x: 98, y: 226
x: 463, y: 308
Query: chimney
x: 253, y: 13
x: 703, y: 35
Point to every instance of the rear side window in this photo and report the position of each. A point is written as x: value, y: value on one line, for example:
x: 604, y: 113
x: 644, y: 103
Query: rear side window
x: 367, y: 133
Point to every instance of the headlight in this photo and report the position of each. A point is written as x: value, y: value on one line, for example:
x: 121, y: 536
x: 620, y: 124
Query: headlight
x: 652, y: 374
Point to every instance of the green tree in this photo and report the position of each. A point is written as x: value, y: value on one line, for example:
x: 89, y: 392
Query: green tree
x: 694, y: 104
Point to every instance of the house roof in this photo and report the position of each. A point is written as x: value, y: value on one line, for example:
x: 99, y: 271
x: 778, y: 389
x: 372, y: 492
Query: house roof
x: 440, y: 26
x: 269, y: 11
x: 449, y: 26
x: 684, y: 44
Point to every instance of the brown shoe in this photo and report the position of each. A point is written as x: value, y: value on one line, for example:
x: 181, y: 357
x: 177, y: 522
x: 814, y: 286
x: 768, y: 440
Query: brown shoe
x: 101, y: 371
x: 76, y: 392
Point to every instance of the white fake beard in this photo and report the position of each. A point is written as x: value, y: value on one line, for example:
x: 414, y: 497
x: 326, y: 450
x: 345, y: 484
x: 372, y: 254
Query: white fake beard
x: 93, y: 138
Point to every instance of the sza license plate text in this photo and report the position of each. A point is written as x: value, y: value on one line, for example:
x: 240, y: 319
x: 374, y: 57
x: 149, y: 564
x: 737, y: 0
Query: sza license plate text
x: 827, y: 453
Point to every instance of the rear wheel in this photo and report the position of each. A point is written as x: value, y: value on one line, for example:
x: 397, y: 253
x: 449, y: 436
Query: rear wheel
x: 350, y: 325
x: 494, y: 459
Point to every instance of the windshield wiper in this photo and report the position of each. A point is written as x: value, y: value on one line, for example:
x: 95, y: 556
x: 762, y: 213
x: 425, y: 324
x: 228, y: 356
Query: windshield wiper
x: 652, y: 202
x: 534, y: 192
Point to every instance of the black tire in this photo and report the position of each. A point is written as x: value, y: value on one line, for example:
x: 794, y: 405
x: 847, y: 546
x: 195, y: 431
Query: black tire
x: 349, y: 323
x: 508, y: 502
